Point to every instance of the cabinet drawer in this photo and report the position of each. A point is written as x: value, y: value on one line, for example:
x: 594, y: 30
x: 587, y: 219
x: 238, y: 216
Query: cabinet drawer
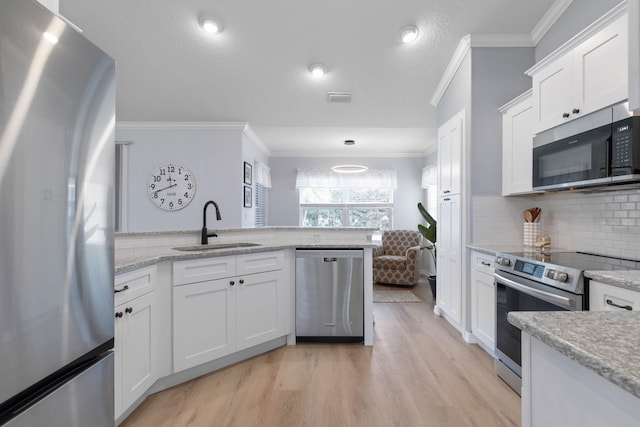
x: 611, y: 298
x: 482, y: 263
x: 133, y: 284
x: 260, y: 262
x: 201, y: 270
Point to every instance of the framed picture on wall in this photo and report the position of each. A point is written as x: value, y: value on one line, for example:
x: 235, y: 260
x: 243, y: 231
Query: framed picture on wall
x: 247, y: 173
x: 247, y: 196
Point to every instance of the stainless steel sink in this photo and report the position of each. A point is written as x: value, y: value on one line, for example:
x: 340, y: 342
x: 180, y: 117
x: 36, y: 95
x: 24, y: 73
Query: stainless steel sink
x: 215, y: 246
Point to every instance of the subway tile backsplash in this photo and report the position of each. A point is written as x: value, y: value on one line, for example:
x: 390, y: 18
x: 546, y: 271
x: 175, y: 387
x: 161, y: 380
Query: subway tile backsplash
x: 603, y: 223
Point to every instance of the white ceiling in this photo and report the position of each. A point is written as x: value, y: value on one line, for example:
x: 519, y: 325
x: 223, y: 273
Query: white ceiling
x: 255, y: 71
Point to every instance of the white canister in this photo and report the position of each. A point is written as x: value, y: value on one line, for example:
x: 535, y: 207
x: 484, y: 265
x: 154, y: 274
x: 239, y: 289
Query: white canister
x: 530, y: 232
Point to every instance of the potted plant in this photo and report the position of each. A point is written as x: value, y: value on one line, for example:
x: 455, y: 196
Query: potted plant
x: 429, y: 233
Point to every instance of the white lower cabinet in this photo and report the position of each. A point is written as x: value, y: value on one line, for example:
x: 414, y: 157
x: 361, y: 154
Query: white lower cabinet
x: 483, y: 301
x: 203, y: 322
x: 603, y: 297
x: 215, y: 318
x: 260, y: 308
x: 135, y: 342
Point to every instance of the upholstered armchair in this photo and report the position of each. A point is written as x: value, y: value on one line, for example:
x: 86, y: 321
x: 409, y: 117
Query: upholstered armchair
x: 394, y: 262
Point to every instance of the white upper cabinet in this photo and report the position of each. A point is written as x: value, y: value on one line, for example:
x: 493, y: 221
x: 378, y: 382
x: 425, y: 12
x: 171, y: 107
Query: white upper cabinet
x: 450, y: 139
x: 634, y: 55
x: 517, y: 145
x: 590, y: 76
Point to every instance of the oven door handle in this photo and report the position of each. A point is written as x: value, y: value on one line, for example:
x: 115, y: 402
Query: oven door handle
x: 555, y: 299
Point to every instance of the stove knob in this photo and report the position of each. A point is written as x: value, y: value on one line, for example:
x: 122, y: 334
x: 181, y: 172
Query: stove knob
x: 562, y: 277
x: 551, y: 274
x: 505, y: 262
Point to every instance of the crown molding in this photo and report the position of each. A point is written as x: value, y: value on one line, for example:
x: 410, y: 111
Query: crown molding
x: 239, y: 126
x: 553, y: 14
x: 583, y: 35
x: 476, y: 40
x: 501, y: 40
x: 456, y: 60
x: 516, y: 100
x: 256, y: 140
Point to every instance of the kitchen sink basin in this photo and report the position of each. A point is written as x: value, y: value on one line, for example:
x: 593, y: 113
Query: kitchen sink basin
x: 215, y: 246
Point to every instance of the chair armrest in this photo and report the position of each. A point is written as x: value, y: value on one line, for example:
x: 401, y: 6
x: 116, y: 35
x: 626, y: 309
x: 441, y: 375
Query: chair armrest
x: 412, y: 255
x: 378, y: 251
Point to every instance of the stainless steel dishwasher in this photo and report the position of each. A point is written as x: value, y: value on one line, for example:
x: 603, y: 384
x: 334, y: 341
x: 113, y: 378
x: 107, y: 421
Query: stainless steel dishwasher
x: 329, y: 295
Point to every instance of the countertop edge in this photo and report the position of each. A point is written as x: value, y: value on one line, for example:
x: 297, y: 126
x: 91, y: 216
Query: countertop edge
x: 526, y: 323
x: 621, y: 279
x: 140, y: 261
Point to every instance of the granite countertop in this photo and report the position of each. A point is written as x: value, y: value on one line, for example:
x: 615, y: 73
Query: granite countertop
x: 133, y: 258
x: 629, y: 279
x: 606, y: 342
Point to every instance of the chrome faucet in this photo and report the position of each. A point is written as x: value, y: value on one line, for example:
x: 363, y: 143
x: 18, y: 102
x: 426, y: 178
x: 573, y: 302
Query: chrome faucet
x: 205, y: 233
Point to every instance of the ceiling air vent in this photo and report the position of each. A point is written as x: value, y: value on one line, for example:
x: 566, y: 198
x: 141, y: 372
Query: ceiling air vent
x: 339, y: 96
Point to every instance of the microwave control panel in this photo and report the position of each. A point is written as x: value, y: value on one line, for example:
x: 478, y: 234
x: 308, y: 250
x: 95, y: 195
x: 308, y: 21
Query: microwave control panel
x: 625, y: 147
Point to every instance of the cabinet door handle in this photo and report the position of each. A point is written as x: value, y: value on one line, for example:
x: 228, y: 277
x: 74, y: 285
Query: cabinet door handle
x: 241, y: 281
x: 326, y: 259
x: 626, y: 307
x: 118, y: 315
x: 232, y: 283
x: 124, y: 288
x: 447, y: 191
x: 485, y: 263
x: 565, y: 115
x: 575, y: 111
x: 446, y: 199
x: 128, y: 310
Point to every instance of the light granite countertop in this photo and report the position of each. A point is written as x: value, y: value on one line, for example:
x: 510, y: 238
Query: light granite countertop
x: 127, y: 259
x: 629, y: 279
x: 606, y: 342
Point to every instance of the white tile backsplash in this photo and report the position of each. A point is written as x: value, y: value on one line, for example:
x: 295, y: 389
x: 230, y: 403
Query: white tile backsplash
x: 603, y: 223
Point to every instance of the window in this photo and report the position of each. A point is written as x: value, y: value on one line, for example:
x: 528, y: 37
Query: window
x: 262, y: 175
x: 328, y: 199
x: 260, y: 209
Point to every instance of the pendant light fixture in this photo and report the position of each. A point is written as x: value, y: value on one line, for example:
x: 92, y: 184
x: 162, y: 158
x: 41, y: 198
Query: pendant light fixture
x: 349, y: 168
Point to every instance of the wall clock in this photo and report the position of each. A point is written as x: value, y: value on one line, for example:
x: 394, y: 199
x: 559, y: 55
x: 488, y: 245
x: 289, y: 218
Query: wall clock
x: 171, y: 186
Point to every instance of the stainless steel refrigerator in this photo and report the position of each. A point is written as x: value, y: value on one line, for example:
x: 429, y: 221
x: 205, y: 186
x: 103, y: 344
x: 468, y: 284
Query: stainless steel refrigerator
x: 57, y: 117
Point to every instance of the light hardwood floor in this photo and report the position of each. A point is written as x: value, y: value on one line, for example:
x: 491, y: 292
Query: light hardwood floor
x: 419, y: 372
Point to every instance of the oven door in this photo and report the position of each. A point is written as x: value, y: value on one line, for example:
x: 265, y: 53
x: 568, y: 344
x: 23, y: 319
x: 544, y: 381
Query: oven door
x: 577, y: 161
x: 514, y: 293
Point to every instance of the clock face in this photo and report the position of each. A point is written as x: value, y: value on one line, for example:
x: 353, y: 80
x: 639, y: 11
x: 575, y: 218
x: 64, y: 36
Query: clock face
x: 171, y: 186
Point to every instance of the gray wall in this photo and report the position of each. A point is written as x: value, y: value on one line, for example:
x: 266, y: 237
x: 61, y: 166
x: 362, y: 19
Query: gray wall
x: 497, y: 77
x: 579, y: 15
x: 283, y: 198
x: 214, y: 156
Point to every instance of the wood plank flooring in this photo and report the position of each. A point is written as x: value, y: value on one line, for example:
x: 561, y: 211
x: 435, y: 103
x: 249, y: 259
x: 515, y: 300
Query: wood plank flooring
x: 419, y: 372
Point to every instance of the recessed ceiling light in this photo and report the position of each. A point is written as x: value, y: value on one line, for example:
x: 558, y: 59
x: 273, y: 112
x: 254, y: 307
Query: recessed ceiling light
x: 409, y: 34
x: 318, y: 69
x: 349, y: 168
x: 210, y: 26
x: 349, y: 142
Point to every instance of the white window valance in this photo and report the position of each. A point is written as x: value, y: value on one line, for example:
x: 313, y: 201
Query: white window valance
x: 322, y: 178
x: 262, y: 174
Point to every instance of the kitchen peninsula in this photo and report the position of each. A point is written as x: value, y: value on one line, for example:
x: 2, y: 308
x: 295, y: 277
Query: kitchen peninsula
x: 185, y: 309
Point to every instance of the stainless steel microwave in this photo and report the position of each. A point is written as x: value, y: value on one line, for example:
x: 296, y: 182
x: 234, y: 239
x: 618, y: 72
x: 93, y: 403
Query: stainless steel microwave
x: 600, y: 149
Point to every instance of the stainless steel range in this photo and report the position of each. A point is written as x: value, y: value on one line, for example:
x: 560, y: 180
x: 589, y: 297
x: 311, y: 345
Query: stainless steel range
x: 535, y: 281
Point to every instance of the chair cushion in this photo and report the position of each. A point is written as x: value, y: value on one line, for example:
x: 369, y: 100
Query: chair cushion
x: 390, y: 262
